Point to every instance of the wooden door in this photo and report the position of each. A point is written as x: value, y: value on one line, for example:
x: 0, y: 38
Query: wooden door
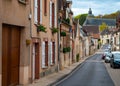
x: 36, y: 61
x: 10, y: 55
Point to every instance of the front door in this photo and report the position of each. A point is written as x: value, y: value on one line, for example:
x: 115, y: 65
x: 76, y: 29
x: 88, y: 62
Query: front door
x: 36, y: 61
x: 10, y: 55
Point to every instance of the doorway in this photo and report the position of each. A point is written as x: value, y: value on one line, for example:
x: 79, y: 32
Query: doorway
x: 35, y: 61
x: 10, y: 55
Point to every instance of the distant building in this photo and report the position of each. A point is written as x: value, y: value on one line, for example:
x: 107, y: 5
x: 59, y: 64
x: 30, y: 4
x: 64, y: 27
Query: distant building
x: 92, y: 26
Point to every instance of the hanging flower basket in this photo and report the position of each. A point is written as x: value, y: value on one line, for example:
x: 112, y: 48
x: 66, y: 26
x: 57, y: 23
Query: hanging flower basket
x: 54, y: 30
x: 63, y: 33
x: 41, y: 28
x: 68, y: 49
x: 64, y: 50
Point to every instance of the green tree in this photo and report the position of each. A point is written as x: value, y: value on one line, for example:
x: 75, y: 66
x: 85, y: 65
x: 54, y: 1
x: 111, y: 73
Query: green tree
x: 81, y: 17
x: 103, y: 26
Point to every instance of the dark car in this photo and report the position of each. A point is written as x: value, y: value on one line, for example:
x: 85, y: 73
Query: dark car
x: 115, y: 60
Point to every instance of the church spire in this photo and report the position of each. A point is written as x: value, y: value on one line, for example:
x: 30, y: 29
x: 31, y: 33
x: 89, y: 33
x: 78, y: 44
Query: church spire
x: 90, y: 11
x: 90, y: 15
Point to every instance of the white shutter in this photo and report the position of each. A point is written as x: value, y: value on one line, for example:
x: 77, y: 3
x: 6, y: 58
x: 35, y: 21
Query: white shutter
x: 55, y: 21
x: 35, y: 11
x: 50, y: 53
x: 41, y: 11
x: 55, y: 52
x: 43, y: 54
x: 50, y: 13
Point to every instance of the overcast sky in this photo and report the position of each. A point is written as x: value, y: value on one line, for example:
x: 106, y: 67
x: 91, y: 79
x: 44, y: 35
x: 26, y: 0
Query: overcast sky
x: 97, y: 6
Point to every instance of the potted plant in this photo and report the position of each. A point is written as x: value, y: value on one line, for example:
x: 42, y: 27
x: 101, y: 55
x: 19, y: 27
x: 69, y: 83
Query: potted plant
x: 68, y: 49
x: 63, y: 33
x: 41, y: 28
x: 64, y: 49
x: 54, y: 30
x: 77, y: 57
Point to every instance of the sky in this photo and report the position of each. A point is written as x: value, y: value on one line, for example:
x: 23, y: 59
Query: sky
x: 98, y: 6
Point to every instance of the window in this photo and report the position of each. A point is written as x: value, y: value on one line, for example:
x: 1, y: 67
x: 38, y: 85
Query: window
x: 37, y: 11
x: 45, y: 7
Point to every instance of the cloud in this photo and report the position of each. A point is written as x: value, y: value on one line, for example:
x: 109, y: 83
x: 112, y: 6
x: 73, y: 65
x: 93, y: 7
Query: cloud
x: 98, y: 7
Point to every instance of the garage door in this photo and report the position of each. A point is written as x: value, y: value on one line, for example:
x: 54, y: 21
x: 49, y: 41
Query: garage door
x: 10, y: 55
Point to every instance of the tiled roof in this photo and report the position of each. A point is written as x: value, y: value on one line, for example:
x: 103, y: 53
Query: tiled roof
x: 96, y: 36
x: 91, y: 29
x: 106, y: 31
x: 99, y: 21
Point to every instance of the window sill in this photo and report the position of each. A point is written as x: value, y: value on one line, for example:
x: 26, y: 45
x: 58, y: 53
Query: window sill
x: 45, y: 67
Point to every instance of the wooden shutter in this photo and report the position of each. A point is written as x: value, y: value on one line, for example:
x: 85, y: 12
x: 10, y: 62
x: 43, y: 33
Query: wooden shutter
x: 46, y: 53
x: 35, y: 11
x: 53, y: 14
x: 40, y: 11
x: 50, y: 14
x: 45, y: 7
x: 43, y: 54
x: 53, y: 50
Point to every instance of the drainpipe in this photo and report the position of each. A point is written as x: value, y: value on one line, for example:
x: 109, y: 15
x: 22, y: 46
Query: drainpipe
x: 30, y: 16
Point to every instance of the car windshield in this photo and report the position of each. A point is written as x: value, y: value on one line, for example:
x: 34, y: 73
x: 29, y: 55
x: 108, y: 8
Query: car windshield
x: 117, y: 55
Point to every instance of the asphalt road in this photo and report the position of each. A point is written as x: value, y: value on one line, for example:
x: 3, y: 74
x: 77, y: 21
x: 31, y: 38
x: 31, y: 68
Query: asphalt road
x: 92, y: 72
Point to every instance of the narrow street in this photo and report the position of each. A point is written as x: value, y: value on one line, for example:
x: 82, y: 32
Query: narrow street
x: 91, y: 73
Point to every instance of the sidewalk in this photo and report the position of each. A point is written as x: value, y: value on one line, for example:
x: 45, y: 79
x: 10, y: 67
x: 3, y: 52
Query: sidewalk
x: 46, y: 81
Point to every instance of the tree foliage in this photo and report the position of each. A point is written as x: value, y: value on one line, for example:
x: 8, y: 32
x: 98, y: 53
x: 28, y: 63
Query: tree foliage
x: 82, y: 18
x: 103, y: 26
x: 109, y: 16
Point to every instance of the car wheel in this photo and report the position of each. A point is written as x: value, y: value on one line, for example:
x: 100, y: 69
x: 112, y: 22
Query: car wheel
x: 110, y: 65
x: 113, y: 66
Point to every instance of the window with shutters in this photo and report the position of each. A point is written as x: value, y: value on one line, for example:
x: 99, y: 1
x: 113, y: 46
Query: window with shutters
x: 37, y: 11
x: 45, y: 7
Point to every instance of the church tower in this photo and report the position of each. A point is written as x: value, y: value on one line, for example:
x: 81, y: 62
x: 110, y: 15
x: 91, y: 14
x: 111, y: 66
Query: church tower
x: 90, y: 15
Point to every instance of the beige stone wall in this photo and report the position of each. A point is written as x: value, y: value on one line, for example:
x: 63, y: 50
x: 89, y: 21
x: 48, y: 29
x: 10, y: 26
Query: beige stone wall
x: 48, y: 35
x: 18, y: 13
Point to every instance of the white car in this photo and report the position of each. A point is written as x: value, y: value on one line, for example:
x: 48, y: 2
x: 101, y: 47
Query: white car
x: 108, y: 57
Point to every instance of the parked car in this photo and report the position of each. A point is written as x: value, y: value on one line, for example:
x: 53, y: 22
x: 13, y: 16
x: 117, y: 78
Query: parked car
x: 105, y: 52
x: 108, y: 57
x: 115, y: 60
